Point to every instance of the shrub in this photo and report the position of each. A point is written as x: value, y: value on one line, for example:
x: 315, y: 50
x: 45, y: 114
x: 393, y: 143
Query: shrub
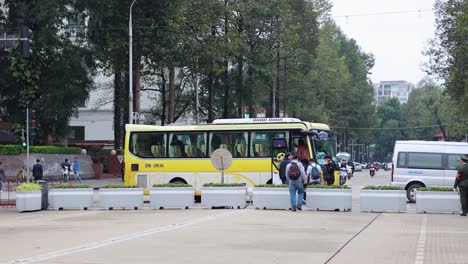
x: 435, y: 189
x: 172, y: 185
x: 71, y: 186
x: 55, y: 150
x: 211, y: 184
x: 11, y: 150
x: 114, y: 186
x: 387, y: 188
x: 328, y: 187
x: 119, y: 151
x: 29, y: 187
x: 272, y: 186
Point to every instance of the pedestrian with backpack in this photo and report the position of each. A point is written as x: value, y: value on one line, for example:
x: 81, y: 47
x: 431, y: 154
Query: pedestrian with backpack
x: 314, y: 172
x: 297, y: 178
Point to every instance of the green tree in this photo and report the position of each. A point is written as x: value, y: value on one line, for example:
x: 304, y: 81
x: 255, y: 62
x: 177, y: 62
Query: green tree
x: 448, y: 52
x: 55, y: 80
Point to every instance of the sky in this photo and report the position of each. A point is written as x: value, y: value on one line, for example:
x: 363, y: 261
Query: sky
x: 396, y: 40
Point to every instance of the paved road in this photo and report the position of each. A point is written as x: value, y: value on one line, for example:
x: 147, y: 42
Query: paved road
x: 233, y: 236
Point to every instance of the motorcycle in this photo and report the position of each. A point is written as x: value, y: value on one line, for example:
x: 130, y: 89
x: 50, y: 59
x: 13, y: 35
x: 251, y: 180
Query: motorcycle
x: 372, y: 171
x: 343, y: 175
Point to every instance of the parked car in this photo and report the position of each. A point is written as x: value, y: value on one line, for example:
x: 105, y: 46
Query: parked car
x: 357, y: 166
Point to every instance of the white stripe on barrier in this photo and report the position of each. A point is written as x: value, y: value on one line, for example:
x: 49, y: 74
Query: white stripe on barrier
x: 28, y: 195
x: 121, y: 193
x: 437, y: 196
x: 347, y: 194
x: 172, y: 192
x: 396, y: 195
x: 70, y: 193
x: 224, y: 191
x: 271, y: 192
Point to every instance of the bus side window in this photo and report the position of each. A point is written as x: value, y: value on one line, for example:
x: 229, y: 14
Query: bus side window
x: 235, y: 142
x: 261, y: 142
x: 148, y: 145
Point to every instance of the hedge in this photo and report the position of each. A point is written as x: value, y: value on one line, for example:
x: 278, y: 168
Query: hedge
x: 29, y: 187
x: 386, y: 188
x: 223, y: 184
x: 171, y: 185
x: 328, y: 187
x: 272, y: 186
x: 11, y: 150
x: 435, y: 189
x: 55, y: 150
x: 70, y: 186
x: 16, y: 150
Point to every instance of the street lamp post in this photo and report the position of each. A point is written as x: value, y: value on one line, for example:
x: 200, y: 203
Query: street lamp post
x: 130, y: 65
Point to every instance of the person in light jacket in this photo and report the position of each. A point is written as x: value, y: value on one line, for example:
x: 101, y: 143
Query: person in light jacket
x: 76, y: 169
x: 297, y: 178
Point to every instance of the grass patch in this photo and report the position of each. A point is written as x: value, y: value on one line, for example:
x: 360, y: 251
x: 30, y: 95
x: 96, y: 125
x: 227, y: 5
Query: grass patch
x: 211, y: 184
x: 435, y: 189
x: 382, y: 188
x: 171, y: 185
x: 70, y: 186
x: 28, y: 187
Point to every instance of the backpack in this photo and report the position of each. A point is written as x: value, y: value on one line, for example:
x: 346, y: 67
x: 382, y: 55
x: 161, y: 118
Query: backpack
x: 315, y: 173
x: 294, y: 172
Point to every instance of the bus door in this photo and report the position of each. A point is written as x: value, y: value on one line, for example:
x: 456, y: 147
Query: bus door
x: 279, y: 148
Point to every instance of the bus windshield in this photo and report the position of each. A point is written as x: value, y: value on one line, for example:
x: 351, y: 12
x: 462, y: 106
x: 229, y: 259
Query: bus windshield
x: 324, y: 146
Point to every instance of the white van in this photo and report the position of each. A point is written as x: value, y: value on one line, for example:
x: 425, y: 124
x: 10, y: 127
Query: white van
x: 425, y: 163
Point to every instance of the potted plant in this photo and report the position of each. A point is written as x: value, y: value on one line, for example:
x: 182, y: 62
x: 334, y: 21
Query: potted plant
x: 329, y: 197
x: 269, y: 196
x: 121, y: 196
x: 172, y: 195
x: 437, y: 199
x: 70, y: 196
x: 28, y: 197
x: 224, y: 195
x: 383, y: 198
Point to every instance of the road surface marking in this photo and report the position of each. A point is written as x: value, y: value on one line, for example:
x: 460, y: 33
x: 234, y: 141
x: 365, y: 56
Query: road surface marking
x: 421, y: 242
x: 115, y: 240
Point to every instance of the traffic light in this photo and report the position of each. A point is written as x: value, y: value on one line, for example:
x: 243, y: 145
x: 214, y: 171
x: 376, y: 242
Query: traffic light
x: 23, y: 142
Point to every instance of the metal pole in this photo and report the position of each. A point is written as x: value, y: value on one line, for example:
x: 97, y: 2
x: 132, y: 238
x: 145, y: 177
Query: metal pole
x: 27, y: 144
x: 130, y: 65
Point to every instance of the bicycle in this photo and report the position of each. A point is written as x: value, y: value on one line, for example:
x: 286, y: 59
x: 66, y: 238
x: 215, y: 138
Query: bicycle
x: 23, y: 176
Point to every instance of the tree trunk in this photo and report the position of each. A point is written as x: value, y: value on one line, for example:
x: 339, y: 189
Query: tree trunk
x: 163, y: 98
x: 277, y: 94
x: 285, y: 83
x: 126, y: 107
x: 171, y: 95
x: 240, y: 86
x: 226, y: 112
x: 117, y: 109
x: 137, y: 84
x: 210, y: 96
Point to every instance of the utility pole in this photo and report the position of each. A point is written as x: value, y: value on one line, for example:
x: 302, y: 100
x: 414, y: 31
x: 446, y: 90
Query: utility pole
x: 130, y: 66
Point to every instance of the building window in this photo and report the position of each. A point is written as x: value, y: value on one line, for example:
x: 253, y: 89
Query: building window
x: 77, y: 133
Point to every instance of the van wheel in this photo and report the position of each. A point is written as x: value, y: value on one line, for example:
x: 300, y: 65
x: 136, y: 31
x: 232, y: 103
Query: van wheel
x: 411, y: 192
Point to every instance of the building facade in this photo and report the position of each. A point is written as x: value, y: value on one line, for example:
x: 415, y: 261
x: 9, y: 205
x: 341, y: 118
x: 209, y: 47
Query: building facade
x: 392, y: 89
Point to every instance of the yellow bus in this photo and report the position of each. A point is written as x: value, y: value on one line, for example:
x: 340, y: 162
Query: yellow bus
x: 181, y: 154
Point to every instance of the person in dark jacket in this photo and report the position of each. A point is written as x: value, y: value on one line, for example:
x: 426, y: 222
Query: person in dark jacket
x: 329, y: 170
x: 2, y: 176
x: 282, y: 169
x: 37, y: 170
x: 461, y: 182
